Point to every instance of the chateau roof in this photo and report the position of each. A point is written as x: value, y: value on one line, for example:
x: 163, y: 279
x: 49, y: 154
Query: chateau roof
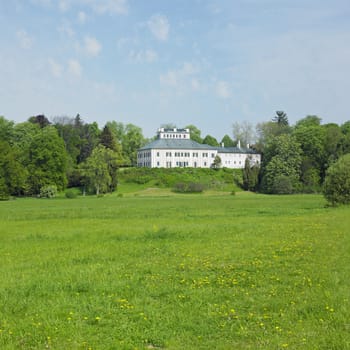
x: 176, y: 144
x: 192, y: 145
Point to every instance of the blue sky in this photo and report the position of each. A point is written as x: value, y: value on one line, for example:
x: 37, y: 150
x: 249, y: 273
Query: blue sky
x: 149, y: 62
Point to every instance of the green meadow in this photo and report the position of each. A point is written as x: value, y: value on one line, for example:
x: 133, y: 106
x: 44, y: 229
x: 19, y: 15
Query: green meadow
x: 157, y: 270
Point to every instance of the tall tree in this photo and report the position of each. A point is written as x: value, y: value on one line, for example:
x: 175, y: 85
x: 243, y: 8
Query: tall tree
x: 47, y: 160
x: 311, y: 137
x: 250, y: 175
x: 13, y: 175
x: 281, y: 165
x: 108, y: 139
x: 132, y: 141
x: 243, y: 132
x: 100, y: 169
x: 281, y: 118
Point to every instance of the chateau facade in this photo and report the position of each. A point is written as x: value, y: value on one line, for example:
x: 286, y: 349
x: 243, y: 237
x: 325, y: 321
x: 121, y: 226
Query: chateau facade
x: 174, y: 148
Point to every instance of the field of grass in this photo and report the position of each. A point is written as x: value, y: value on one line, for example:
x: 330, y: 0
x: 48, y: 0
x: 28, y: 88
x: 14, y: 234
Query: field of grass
x: 174, y: 272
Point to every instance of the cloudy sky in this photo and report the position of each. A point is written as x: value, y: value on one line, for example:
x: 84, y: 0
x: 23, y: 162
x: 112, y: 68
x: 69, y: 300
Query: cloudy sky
x: 148, y: 62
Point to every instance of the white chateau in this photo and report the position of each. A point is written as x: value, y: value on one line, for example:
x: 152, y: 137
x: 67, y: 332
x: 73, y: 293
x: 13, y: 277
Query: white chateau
x: 174, y: 148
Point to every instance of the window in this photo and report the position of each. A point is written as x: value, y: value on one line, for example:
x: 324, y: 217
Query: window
x: 157, y: 163
x: 213, y: 155
x: 157, y: 154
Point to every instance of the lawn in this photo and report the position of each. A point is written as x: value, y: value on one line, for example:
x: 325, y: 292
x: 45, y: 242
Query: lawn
x: 174, y: 272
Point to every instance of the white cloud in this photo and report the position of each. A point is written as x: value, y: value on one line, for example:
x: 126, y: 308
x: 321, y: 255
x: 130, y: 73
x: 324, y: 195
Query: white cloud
x: 66, y: 29
x: 169, y: 79
x: 24, y: 39
x: 183, y: 79
x: 82, y: 17
x: 92, y: 46
x: 159, y: 27
x: 56, y: 68
x: 63, y: 5
x: 143, y: 56
x: 74, y: 68
x: 222, y: 89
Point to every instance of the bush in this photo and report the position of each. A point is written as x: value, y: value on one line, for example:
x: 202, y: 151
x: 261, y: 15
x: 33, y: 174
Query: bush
x: 192, y: 187
x: 282, y: 185
x: 337, y: 182
x: 71, y: 194
x: 49, y: 191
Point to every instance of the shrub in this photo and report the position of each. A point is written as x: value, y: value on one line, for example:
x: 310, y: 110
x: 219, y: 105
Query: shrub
x: 49, y: 191
x: 71, y: 194
x: 282, y: 185
x: 337, y: 182
x: 191, y: 187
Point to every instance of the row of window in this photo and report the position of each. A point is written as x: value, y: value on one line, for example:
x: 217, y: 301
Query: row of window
x: 186, y: 154
x: 144, y: 155
x: 174, y: 136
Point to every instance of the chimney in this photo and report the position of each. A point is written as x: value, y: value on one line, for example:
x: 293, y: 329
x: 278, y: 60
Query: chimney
x: 222, y: 145
x: 248, y: 145
x: 239, y: 144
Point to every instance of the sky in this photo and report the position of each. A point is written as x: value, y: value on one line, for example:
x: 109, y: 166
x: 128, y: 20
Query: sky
x: 209, y: 63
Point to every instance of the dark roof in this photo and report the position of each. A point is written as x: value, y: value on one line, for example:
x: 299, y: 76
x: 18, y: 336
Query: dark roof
x: 190, y: 144
x: 176, y: 144
x: 235, y: 150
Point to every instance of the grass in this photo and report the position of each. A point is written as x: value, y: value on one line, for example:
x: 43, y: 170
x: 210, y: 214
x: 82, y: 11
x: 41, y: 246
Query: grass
x: 174, y: 272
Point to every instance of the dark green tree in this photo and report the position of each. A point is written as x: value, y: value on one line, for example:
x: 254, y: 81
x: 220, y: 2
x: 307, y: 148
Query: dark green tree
x: 6, y: 129
x: 281, y: 118
x: 337, y: 182
x: 250, y: 175
x: 282, y: 159
x: 13, y: 175
x: 40, y: 119
x: 47, y: 160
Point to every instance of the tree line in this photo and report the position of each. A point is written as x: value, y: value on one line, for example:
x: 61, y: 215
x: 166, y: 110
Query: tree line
x: 64, y: 152
x: 68, y: 152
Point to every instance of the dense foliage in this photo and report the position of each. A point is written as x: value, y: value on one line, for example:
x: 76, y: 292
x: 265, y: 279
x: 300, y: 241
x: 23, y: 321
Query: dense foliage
x: 67, y: 152
x: 337, y: 182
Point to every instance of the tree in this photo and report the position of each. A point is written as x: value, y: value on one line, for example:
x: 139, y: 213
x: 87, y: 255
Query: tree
x: 195, y: 133
x: 211, y: 141
x: 250, y: 176
x: 47, y: 160
x: 311, y: 137
x: 227, y: 141
x: 217, y: 162
x: 108, y: 139
x: 132, y: 141
x: 6, y: 129
x: 13, y: 175
x: 281, y: 118
x: 243, y: 133
x: 282, y: 159
x: 337, y: 182
x: 40, y: 119
x: 309, y: 120
x: 100, y: 169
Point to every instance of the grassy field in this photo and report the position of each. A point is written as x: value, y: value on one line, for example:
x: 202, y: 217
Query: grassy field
x: 174, y: 272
